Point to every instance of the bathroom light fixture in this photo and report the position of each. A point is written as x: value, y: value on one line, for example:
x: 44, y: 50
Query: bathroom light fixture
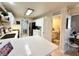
x: 29, y: 11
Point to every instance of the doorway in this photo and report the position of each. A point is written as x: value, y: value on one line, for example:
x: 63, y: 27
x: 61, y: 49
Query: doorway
x: 56, y: 23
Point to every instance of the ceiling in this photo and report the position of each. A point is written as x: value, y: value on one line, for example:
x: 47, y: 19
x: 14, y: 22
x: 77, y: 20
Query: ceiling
x: 40, y: 8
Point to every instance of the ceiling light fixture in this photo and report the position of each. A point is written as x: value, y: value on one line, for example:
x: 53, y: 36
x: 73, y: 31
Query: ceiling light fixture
x: 13, y: 3
x: 29, y: 11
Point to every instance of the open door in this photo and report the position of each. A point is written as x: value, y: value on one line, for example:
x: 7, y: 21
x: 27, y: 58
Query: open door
x: 56, y: 21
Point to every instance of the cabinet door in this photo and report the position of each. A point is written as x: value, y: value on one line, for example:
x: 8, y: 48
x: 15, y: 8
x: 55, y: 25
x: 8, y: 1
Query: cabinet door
x: 37, y: 32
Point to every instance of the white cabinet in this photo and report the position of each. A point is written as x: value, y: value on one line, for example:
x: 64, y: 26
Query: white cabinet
x: 36, y: 32
x: 46, y: 27
x: 9, y: 18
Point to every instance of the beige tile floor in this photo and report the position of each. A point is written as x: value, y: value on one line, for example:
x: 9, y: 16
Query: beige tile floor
x: 58, y: 52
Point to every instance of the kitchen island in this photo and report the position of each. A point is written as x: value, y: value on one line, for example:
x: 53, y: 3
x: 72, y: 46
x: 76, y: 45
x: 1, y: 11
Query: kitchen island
x: 30, y: 46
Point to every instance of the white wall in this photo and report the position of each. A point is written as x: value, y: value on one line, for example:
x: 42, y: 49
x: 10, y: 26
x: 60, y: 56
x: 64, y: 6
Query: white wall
x: 39, y: 22
x: 64, y: 33
x: 47, y: 27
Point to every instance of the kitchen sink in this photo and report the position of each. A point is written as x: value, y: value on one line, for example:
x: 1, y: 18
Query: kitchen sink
x: 8, y: 36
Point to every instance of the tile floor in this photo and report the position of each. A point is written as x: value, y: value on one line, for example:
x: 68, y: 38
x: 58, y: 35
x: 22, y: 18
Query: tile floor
x: 58, y: 52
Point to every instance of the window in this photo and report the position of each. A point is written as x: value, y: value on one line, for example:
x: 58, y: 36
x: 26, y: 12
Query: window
x: 17, y: 22
x: 68, y: 23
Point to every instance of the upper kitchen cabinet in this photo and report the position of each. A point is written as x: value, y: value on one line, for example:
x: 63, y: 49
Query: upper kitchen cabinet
x: 6, y: 16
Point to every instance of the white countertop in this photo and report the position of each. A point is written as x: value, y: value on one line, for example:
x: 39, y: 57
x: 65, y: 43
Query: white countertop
x: 38, y: 46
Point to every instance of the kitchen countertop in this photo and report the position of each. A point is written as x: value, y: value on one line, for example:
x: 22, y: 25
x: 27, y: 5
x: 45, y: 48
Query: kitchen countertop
x: 38, y: 46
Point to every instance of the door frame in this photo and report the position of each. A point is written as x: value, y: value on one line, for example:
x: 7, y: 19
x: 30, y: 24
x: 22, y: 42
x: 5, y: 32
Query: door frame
x: 60, y: 27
